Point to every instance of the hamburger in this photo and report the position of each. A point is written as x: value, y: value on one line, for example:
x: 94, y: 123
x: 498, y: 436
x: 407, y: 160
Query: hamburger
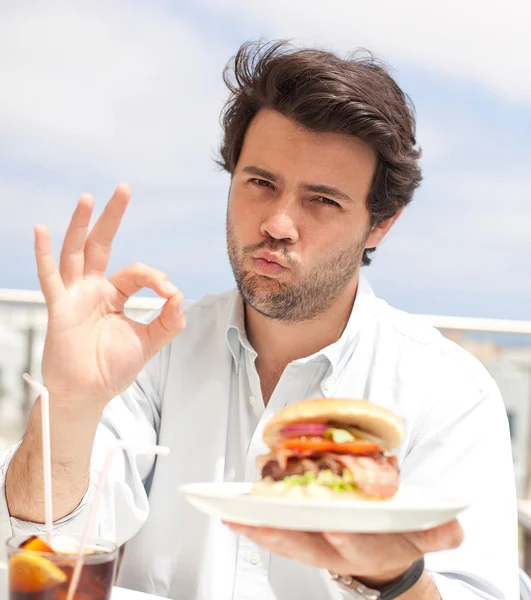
x: 331, y: 448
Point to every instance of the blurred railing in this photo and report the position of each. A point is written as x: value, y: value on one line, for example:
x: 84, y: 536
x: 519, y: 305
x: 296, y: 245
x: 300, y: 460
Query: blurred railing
x: 503, y: 346
x: 23, y: 319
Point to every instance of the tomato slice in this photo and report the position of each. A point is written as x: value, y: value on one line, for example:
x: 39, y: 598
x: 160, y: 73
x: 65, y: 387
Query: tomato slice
x: 329, y: 446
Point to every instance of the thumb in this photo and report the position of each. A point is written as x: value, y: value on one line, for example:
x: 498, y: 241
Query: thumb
x: 443, y: 537
x: 166, y: 326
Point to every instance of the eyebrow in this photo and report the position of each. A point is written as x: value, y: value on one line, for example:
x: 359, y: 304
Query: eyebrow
x: 316, y: 188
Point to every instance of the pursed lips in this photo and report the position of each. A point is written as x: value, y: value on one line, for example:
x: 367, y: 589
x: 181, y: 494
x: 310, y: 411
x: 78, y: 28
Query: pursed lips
x: 270, y: 258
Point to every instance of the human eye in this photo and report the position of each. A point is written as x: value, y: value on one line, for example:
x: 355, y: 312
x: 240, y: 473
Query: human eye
x: 260, y: 182
x: 327, y: 201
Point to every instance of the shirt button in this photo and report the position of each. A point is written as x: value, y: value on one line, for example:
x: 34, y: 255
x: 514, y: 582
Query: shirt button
x: 252, y: 400
x: 327, y: 385
x: 255, y: 558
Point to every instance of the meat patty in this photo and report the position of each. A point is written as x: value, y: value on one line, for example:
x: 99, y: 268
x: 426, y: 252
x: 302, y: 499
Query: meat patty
x: 299, y: 466
x: 376, y: 476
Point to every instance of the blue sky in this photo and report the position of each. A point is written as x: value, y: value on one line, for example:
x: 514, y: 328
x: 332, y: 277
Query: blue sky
x: 131, y: 91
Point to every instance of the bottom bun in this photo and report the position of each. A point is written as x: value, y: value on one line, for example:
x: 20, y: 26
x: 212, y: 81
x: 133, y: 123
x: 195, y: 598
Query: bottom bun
x: 278, y: 489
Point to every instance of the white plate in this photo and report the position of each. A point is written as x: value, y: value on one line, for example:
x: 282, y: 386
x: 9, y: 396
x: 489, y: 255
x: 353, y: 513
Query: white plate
x: 124, y: 594
x: 3, y: 581
x: 411, y: 509
x: 117, y: 593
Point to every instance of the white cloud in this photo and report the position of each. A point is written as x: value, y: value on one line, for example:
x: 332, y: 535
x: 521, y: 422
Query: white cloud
x: 96, y: 93
x: 486, y: 42
x: 474, y: 239
x: 110, y: 87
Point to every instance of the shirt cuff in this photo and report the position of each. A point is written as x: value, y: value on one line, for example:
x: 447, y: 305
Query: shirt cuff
x: 450, y: 588
x: 72, y: 524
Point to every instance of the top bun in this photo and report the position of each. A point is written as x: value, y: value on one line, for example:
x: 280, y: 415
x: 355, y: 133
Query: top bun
x: 362, y: 414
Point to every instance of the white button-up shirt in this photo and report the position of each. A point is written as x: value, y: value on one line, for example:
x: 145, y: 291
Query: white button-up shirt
x: 201, y: 396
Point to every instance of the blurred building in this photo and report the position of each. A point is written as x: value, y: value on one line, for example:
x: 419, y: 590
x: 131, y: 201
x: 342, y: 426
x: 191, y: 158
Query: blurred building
x: 22, y: 332
x: 508, y: 359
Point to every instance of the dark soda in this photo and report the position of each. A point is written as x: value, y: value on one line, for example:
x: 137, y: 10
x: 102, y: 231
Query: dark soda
x: 36, y: 572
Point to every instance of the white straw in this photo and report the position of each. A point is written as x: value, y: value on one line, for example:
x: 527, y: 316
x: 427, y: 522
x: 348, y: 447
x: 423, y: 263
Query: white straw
x: 46, y: 454
x: 94, y: 505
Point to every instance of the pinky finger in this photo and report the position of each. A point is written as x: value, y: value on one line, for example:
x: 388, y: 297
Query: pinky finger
x: 51, y: 283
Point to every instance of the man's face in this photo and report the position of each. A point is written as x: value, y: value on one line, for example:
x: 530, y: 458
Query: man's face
x: 297, y: 220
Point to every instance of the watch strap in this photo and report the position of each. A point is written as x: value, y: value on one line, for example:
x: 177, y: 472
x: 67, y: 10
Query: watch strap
x: 403, y: 583
x: 389, y: 591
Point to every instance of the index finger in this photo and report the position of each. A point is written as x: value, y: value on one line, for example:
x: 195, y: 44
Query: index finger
x: 51, y: 282
x: 99, y: 242
x: 443, y: 537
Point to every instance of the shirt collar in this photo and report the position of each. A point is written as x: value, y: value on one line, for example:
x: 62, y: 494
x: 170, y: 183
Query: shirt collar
x: 236, y: 333
x: 337, y: 353
x: 340, y: 352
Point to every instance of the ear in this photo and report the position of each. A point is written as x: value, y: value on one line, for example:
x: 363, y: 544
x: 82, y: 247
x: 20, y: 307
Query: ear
x: 378, y: 232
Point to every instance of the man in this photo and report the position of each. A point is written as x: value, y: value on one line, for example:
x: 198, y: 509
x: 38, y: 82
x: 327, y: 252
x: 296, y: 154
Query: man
x: 323, y: 159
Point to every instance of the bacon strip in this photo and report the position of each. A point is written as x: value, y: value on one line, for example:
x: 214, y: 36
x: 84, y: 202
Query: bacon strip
x: 282, y: 455
x: 376, y: 477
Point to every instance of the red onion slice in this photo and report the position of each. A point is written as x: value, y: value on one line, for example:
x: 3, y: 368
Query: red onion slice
x: 304, y: 429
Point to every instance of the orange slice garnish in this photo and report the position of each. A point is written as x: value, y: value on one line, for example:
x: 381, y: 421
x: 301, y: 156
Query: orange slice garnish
x: 30, y: 573
x: 36, y: 544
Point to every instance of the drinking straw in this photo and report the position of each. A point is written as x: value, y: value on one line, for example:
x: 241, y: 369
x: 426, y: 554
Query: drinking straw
x: 141, y: 449
x: 46, y: 453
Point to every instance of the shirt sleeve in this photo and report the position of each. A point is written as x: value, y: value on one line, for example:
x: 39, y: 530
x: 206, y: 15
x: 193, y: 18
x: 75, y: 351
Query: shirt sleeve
x: 462, y: 450
x: 133, y: 416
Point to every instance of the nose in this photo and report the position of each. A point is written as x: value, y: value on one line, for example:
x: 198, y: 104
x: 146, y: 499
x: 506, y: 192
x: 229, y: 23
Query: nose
x: 280, y: 220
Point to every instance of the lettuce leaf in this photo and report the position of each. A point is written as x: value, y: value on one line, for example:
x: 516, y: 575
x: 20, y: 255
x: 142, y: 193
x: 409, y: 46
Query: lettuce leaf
x: 326, y: 478
x: 339, y: 436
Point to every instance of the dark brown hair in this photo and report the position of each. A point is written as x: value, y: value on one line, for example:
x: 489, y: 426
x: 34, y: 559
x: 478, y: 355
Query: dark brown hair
x: 326, y: 94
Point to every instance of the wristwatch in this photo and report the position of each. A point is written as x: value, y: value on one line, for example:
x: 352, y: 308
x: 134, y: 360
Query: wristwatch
x: 391, y: 590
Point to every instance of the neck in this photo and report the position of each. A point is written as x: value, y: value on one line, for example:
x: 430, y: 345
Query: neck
x: 279, y: 342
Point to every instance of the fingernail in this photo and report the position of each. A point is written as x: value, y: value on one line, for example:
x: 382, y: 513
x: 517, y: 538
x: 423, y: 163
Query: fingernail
x: 168, y: 286
x: 335, y: 538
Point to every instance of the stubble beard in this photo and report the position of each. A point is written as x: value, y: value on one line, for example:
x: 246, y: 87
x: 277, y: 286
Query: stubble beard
x: 309, y: 294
